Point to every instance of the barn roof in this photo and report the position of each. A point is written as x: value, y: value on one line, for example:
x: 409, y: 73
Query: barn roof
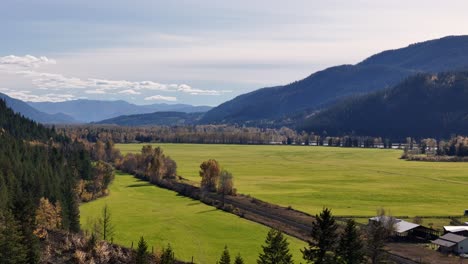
x: 443, y: 243
x: 453, y: 238
x: 453, y: 229
x: 400, y: 226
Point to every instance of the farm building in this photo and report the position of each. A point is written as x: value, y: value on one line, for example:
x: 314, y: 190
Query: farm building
x: 401, y: 227
x: 458, y: 230
x: 452, y: 243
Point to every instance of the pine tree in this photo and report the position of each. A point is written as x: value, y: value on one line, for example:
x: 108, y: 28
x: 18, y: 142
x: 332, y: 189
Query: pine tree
x: 142, y: 252
x: 239, y: 259
x: 167, y: 256
x: 322, y: 249
x: 12, y: 247
x: 225, y: 256
x: 276, y: 250
x: 350, y: 248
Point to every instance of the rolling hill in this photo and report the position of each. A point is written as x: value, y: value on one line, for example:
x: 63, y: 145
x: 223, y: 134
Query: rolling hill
x: 96, y: 110
x: 157, y: 118
x: 30, y: 112
x: 325, y: 87
x: 425, y: 105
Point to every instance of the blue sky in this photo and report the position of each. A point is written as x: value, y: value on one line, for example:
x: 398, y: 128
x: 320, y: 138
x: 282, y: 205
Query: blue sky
x: 198, y: 52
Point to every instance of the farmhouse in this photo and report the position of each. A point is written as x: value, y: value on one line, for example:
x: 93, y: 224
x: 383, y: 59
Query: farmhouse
x: 452, y: 243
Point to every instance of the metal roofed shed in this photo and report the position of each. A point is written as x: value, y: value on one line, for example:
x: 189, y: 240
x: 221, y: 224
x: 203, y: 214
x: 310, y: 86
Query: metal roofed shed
x: 400, y: 226
x: 452, y: 243
x: 459, y: 230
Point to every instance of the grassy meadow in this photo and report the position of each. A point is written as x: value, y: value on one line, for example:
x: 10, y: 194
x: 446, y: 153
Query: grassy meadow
x: 350, y: 181
x: 161, y: 216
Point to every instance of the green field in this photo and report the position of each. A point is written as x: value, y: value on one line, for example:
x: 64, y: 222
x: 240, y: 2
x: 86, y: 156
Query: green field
x: 348, y: 180
x: 161, y: 216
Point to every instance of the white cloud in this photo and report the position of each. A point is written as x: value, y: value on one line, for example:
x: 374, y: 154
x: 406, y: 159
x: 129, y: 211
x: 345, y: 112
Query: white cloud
x: 98, y: 91
x: 46, y: 84
x: 27, y: 61
x: 129, y: 91
x: 161, y: 98
x: 187, y: 89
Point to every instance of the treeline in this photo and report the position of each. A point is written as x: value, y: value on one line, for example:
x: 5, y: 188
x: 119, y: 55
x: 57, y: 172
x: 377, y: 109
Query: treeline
x: 151, y: 164
x: 38, y: 169
x: 207, y: 134
x: 216, y: 134
x: 430, y: 149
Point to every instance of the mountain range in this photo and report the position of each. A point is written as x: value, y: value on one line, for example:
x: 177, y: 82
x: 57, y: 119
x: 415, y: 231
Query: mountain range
x: 323, y: 88
x: 395, y: 93
x: 86, y: 111
x: 30, y: 112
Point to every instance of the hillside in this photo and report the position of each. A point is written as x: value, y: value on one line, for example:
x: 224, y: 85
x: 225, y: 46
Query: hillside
x: 425, y: 105
x: 30, y: 112
x: 157, y: 118
x: 37, y: 164
x: 322, y: 88
x: 96, y: 110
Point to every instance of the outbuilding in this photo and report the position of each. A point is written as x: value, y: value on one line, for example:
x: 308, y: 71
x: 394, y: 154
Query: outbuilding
x: 452, y: 243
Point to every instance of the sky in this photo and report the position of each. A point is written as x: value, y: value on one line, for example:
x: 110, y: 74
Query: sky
x: 198, y: 52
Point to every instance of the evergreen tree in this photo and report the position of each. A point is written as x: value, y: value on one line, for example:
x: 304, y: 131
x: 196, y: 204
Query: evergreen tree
x: 225, y: 256
x: 142, y: 252
x: 12, y: 248
x: 276, y: 250
x: 239, y: 259
x: 322, y: 249
x: 167, y: 256
x: 350, y: 249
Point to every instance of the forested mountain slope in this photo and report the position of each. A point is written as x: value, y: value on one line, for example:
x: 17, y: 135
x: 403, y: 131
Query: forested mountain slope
x: 322, y: 88
x: 426, y: 105
x: 157, y: 118
x: 35, y: 163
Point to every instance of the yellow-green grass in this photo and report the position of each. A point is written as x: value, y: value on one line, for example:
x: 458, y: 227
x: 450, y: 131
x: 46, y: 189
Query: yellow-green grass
x: 192, y: 228
x: 350, y: 181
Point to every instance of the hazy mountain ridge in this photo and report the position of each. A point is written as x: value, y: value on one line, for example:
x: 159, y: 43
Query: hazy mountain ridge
x: 97, y: 110
x: 425, y: 105
x: 157, y: 118
x: 322, y: 88
x: 30, y: 112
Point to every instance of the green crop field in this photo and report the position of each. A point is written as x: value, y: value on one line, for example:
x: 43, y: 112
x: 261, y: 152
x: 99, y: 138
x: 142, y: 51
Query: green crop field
x: 348, y: 180
x: 161, y: 216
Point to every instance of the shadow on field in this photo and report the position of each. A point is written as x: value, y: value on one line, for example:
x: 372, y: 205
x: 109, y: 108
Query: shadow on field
x: 207, y: 211
x: 139, y: 185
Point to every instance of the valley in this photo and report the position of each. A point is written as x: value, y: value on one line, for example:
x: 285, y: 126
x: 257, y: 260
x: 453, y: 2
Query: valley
x: 351, y: 181
x: 192, y: 228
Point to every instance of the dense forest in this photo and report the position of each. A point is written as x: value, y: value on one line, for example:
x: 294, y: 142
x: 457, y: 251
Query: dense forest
x: 426, y: 105
x: 157, y: 118
x: 377, y: 72
x: 37, y: 166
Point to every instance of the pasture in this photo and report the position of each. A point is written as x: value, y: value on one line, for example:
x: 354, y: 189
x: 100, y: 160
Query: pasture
x: 192, y: 228
x: 350, y: 181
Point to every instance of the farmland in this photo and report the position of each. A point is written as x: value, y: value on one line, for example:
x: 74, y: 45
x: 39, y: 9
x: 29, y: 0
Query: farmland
x: 350, y: 181
x: 161, y: 216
